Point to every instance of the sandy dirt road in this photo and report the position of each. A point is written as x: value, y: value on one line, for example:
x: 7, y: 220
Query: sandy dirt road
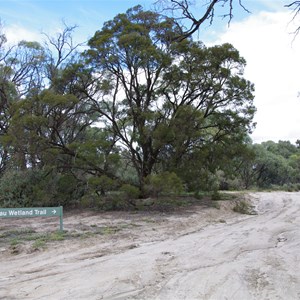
x: 200, y: 254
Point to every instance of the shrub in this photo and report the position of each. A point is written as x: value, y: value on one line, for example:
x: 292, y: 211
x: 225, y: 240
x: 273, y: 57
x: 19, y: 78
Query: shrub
x: 38, y: 188
x: 207, y: 181
x: 243, y: 207
x: 235, y: 184
x: 130, y: 191
x: 113, y: 201
x: 216, y: 196
x: 101, y: 184
x: 17, y: 188
x: 163, y: 183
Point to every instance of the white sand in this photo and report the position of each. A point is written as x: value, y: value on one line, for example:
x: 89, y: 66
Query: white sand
x: 196, y: 255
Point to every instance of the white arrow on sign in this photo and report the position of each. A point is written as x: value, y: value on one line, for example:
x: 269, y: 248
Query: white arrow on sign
x: 54, y: 211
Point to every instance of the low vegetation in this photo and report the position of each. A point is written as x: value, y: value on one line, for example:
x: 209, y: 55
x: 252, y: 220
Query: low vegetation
x: 244, y: 207
x: 34, y: 241
x: 30, y: 240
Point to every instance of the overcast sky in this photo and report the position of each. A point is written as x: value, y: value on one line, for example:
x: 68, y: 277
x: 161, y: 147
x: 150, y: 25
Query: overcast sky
x: 263, y: 38
x: 273, y: 65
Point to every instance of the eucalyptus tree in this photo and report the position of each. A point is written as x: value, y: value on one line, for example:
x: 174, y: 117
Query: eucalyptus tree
x: 41, y: 105
x: 295, y: 6
x: 191, y: 17
x: 163, y: 99
x: 20, y: 75
x: 271, y: 168
x: 50, y: 126
x: 7, y: 91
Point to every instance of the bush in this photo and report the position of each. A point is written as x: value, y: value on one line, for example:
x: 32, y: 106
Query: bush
x: 130, y: 191
x: 101, y: 184
x: 112, y: 201
x: 163, y: 183
x: 207, y: 181
x: 16, y: 189
x: 216, y: 196
x: 235, y: 184
x: 38, y: 188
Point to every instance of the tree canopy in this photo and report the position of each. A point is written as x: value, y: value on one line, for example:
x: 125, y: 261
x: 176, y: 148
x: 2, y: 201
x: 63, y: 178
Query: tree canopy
x: 166, y: 99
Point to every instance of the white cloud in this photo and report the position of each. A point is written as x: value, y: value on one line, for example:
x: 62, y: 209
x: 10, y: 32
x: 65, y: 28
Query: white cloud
x: 273, y: 65
x: 15, y: 33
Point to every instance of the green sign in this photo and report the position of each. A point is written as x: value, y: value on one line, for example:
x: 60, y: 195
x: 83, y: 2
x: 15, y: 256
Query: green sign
x: 33, y: 212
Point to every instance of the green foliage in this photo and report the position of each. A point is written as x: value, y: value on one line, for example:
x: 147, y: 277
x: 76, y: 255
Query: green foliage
x: 130, y: 191
x: 288, y: 187
x: 112, y: 198
x: 187, y: 99
x: 38, y: 244
x: 114, y: 201
x: 15, y: 190
x: 38, y: 188
x: 271, y: 167
x: 266, y: 165
x: 163, y: 183
x: 205, y: 181
x: 101, y: 184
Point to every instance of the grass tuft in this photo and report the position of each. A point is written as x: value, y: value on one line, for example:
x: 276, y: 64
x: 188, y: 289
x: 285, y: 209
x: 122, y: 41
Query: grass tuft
x: 243, y: 207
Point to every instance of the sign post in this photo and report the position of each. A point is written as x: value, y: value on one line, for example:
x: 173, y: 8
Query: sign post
x: 33, y: 212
